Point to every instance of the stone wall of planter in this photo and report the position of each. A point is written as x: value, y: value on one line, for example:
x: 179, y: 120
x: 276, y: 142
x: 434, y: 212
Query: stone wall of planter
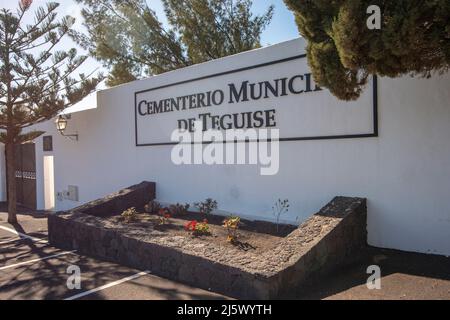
x: 326, y: 241
x: 135, y: 196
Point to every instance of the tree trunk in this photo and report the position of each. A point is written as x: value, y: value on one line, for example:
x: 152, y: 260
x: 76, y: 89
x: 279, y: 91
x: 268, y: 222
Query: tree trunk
x: 11, y: 178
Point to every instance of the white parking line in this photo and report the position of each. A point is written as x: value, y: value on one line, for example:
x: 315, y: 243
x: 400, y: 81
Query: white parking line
x: 22, y: 235
x: 36, y: 260
x: 109, y: 285
x: 10, y: 240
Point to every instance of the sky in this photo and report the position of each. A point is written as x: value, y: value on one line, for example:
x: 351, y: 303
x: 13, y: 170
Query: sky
x: 282, y: 27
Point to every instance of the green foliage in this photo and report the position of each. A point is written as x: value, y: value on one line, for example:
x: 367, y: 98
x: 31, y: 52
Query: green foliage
x: 129, y: 215
x: 342, y: 51
x: 179, y: 209
x: 22, y: 138
x: 152, y: 207
x: 198, y: 229
x: 34, y: 86
x: 207, y: 206
x: 128, y: 38
x: 232, y: 226
x: 36, y: 80
x: 164, y: 216
x: 202, y: 229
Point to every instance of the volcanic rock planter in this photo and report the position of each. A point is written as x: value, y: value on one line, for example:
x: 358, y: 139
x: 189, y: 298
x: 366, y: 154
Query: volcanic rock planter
x: 322, y: 243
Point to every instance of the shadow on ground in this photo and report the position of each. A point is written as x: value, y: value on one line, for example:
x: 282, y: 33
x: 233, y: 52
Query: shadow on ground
x: 47, y: 279
x: 396, y: 265
x: 38, y: 214
x: 404, y: 275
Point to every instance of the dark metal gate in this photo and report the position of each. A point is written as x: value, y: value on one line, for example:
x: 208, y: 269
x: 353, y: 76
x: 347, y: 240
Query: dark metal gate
x: 26, y: 175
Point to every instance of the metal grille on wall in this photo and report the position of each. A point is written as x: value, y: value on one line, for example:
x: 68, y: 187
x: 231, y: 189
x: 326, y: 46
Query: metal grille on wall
x: 26, y: 175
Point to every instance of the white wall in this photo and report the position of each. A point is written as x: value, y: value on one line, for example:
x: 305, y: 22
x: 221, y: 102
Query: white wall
x: 404, y: 173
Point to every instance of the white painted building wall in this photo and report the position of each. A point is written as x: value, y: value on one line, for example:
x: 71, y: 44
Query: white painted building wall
x: 404, y: 173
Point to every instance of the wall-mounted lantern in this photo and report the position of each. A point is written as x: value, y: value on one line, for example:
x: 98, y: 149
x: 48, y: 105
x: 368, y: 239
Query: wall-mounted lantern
x: 61, y: 125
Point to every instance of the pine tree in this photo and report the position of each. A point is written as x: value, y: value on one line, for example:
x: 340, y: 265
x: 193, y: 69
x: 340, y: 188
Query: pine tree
x: 36, y: 82
x: 128, y: 38
x: 343, y: 52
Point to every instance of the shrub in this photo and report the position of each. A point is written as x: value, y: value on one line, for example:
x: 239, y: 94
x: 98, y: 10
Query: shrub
x: 207, y: 206
x: 232, y: 226
x: 198, y: 228
x: 179, y: 209
x: 129, y: 215
x: 280, y: 207
x: 164, y: 216
x: 153, y: 207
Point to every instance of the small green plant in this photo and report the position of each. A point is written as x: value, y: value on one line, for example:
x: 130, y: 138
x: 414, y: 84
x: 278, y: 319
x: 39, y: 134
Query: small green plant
x: 207, y: 206
x: 164, y: 216
x: 179, y: 209
x: 129, y: 215
x: 153, y: 207
x: 232, y: 226
x: 281, y: 207
x: 198, y: 228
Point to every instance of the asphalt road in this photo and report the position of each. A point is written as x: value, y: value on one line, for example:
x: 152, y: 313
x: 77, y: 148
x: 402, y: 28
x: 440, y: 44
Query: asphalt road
x: 30, y: 268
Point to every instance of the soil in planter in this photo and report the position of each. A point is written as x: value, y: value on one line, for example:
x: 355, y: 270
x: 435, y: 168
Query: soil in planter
x: 255, y: 236
x: 248, y: 225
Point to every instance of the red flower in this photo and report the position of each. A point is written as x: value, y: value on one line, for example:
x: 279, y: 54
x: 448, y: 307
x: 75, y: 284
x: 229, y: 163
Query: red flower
x: 163, y: 212
x: 191, y: 226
